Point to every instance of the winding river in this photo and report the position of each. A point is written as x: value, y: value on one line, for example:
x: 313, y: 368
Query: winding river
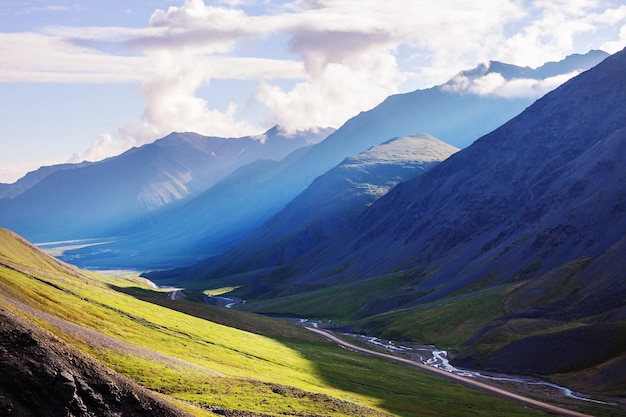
x: 431, y: 356
x: 436, y: 358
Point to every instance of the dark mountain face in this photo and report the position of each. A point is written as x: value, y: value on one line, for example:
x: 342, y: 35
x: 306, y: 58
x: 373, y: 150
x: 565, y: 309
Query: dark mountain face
x: 536, y: 206
x: 92, y: 200
x: 546, y: 187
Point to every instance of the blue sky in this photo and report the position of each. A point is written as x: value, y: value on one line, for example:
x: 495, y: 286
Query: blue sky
x: 87, y: 79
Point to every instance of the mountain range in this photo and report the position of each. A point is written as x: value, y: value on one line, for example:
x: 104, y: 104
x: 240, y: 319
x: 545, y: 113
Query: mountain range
x: 213, y: 211
x: 100, y: 199
x: 331, y: 202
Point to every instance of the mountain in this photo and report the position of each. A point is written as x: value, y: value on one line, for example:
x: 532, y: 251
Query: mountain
x: 206, y: 225
x: 32, y: 178
x: 95, y: 199
x: 213, y: 223
x: 332, y: 201
x: 454, y: 115
x: 534, y: 209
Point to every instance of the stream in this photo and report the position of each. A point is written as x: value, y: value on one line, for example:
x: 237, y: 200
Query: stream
x: 431, y: 356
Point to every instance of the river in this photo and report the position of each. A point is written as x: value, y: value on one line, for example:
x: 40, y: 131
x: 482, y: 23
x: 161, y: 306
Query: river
x: 431, y: 356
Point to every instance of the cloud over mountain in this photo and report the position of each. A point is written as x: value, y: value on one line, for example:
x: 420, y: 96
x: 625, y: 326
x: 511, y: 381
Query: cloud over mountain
x: 234, y: 68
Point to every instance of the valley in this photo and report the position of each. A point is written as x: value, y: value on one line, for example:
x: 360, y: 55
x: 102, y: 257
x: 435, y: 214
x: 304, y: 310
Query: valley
x: 489, y: 228
x: 206, y: 359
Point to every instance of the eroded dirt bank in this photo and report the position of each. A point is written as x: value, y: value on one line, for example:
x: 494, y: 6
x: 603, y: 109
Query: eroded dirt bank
x: 43, y: 376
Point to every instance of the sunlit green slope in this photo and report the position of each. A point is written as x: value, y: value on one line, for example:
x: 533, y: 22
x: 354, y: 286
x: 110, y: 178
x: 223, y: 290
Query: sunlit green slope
x: 273, y: 368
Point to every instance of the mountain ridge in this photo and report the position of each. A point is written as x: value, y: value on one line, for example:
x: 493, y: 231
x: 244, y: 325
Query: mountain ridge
x: 332, y: 200
x: 94, y: 199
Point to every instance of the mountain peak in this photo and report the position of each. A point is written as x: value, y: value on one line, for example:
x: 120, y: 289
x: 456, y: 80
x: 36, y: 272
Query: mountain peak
x: 314, y: 135
x: 498, y: 78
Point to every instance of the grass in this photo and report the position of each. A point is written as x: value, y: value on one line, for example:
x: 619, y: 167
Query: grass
x: 264, y: 366
x: 447, y: 323
x: 341, y: 302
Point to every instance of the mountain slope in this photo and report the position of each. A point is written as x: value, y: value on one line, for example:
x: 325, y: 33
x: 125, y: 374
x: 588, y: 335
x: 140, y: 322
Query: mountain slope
x: 41, y: 375
x: 536, y: 187
x: 537, y: 204
x: 331, y: 202
x: 32, y: 178
x: 93, y: 200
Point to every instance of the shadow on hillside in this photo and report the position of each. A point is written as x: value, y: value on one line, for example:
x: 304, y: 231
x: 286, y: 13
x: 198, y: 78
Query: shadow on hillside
x: 395, y: 388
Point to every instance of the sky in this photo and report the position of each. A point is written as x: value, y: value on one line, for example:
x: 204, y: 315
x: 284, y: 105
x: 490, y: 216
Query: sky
x: 88, y: 79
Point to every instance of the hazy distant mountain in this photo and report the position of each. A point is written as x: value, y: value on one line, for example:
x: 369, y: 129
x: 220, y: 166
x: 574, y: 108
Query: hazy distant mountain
x: 93, y: 200
x: 468, y: 80
x: 540, y: 202
x: 332, y: 201
x: 203, y: 226
x: 32, y: 178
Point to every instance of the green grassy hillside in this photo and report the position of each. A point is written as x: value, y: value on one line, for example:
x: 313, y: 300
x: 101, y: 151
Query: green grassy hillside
x: 492, y: 328
x: 265, y: 367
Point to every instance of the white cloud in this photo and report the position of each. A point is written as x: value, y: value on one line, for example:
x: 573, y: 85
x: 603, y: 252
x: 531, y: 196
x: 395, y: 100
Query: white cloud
x: 618, y: 45
x: 345, y: 55
x: 37, y: 57
x: 104, y: 146
x: 170, y: 105
x: 335, y: 94
x: 494, y: 84
x: 560, y: 27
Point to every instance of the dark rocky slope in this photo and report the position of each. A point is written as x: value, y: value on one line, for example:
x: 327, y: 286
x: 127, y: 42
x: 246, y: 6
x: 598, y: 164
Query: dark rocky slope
x: 544, y: 189
x: 43, y: 376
